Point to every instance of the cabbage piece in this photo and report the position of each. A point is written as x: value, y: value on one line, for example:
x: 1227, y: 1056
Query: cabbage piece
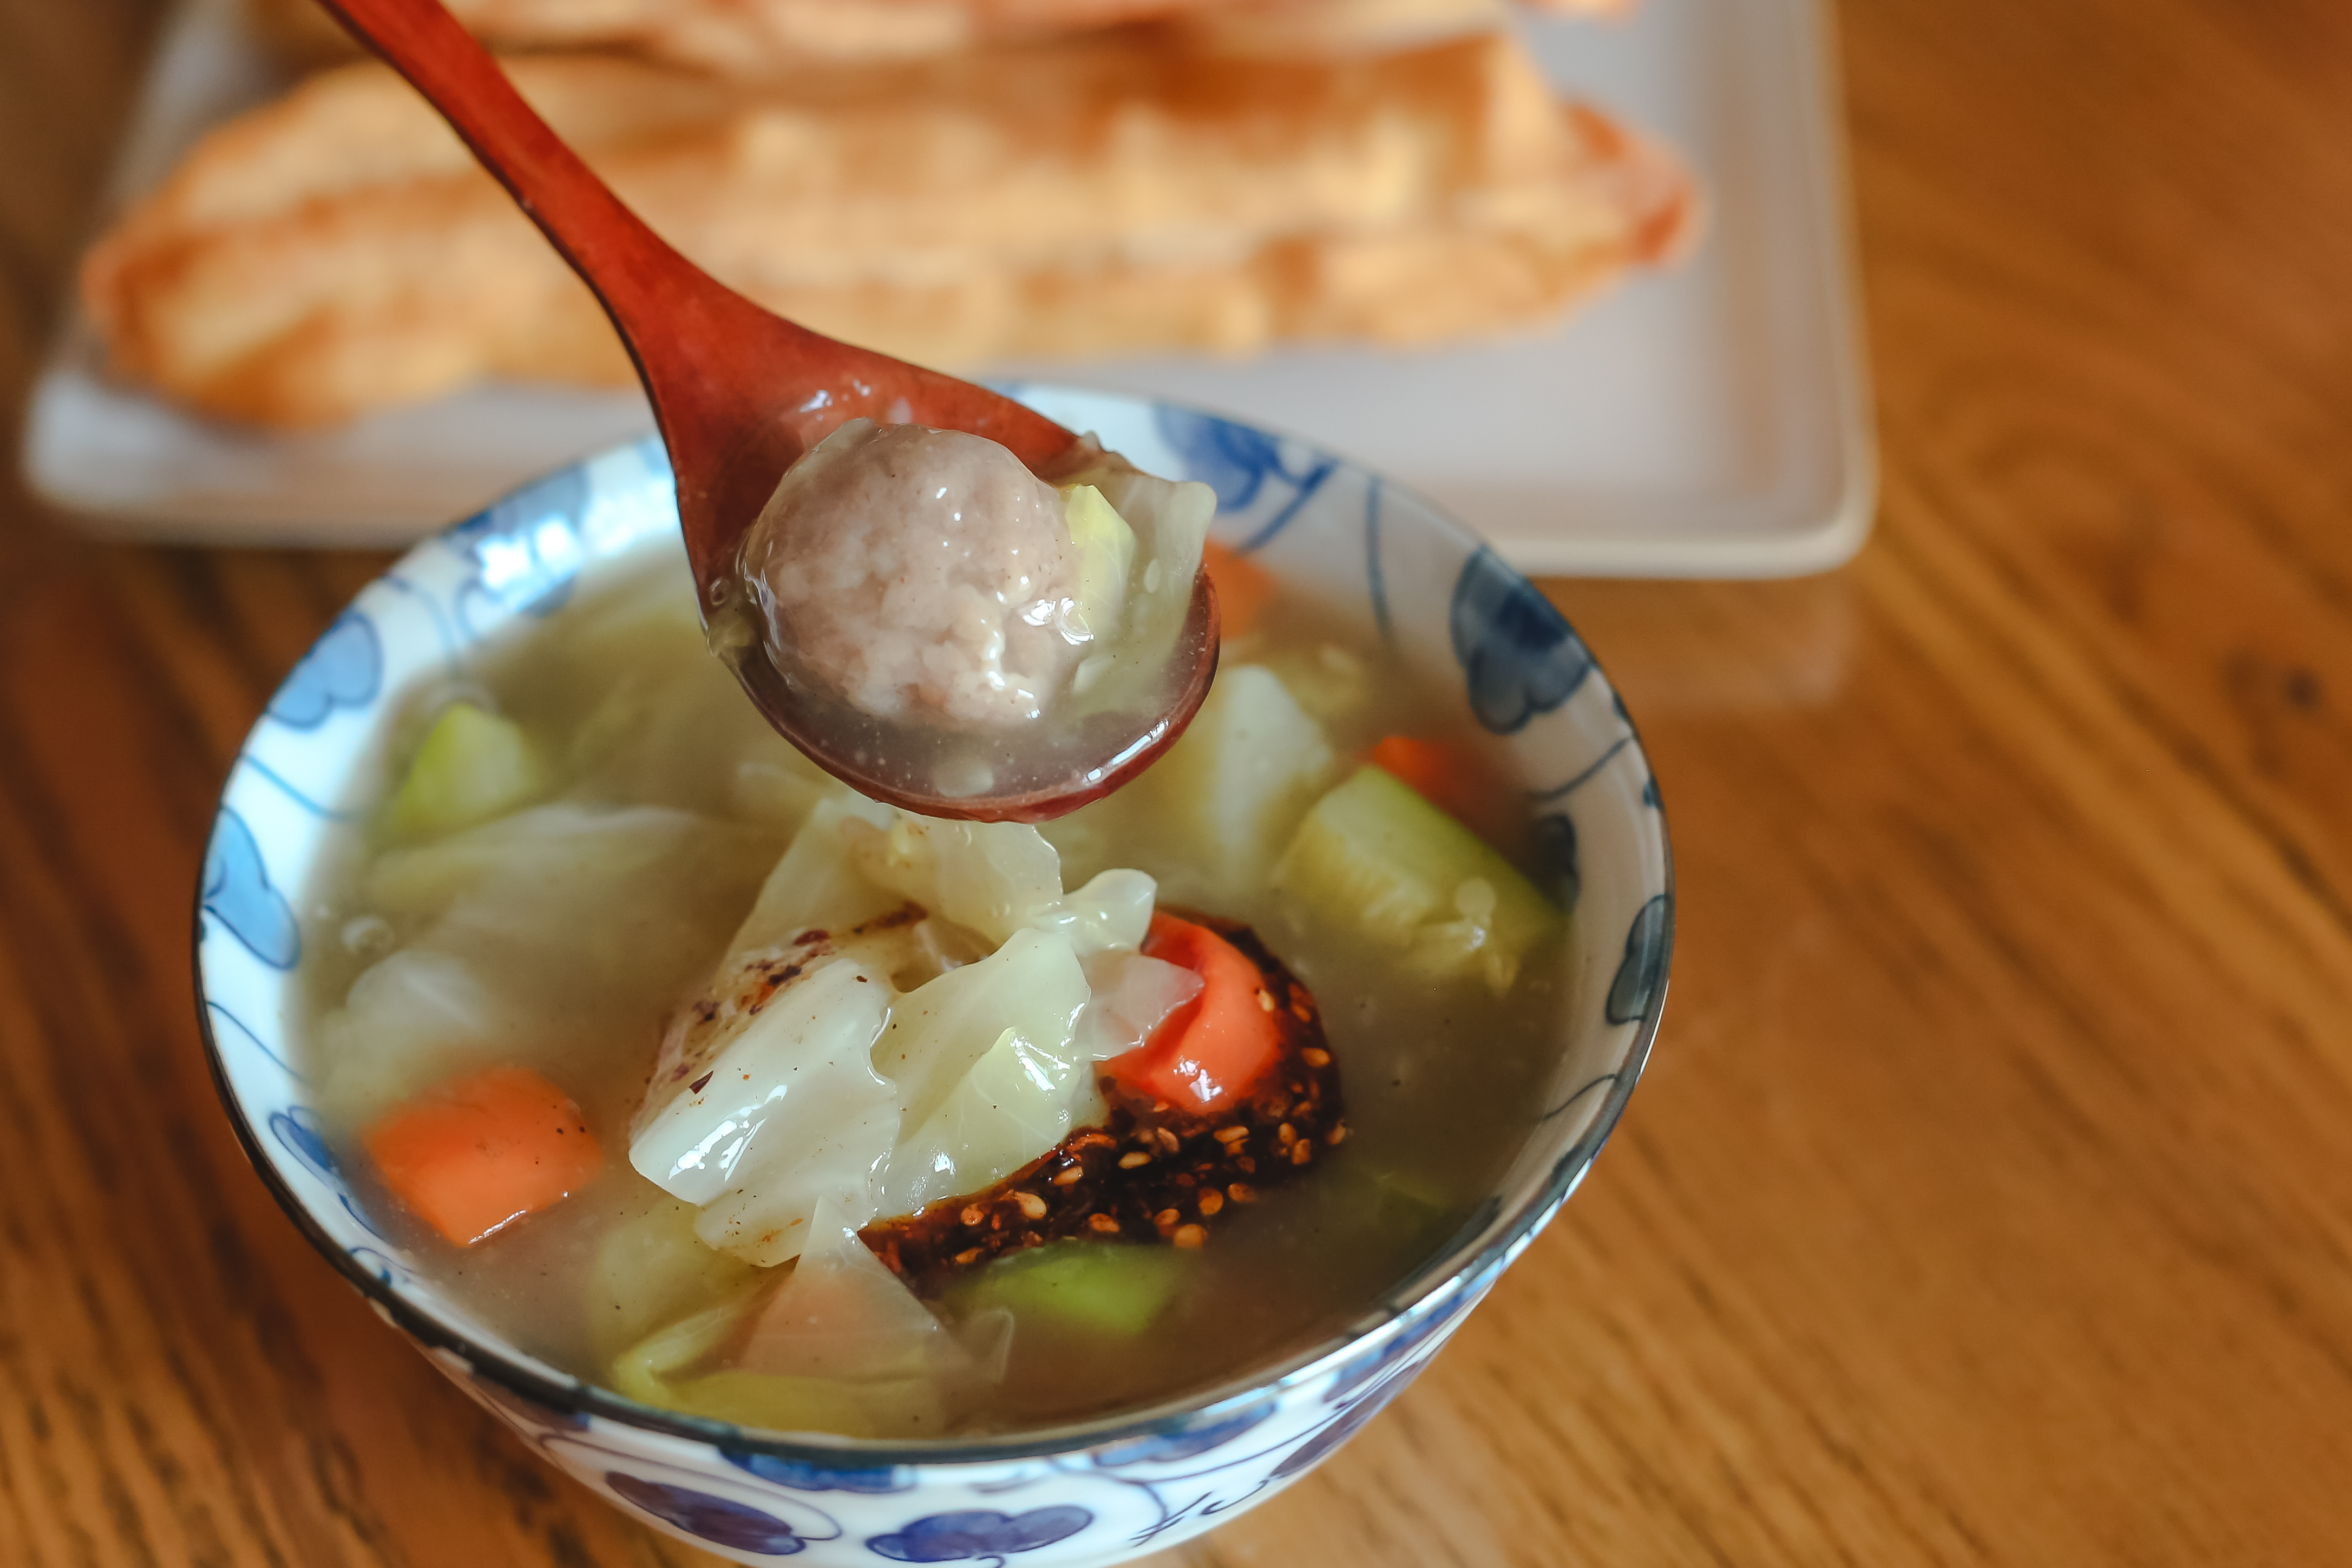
x: 774, y: 1106
x: 844, y: 1317
x: 409, y: 1021
x: 991, y: 877
x: 979, y: 1061
x: 841, y: 1346
x: 667, y: 885
x: 1106, y: 548
x: 817, y: 882
x: 1032, y: 985
x: 493, y: 967
x: 652, y: 1269
x: 665, y: 724
x: 1169, y: 522
x: 765, y: 790
x: 1114, y: 910
x: 1210, y: 819
x: 1132, y: 997
x: 1017, y: 1102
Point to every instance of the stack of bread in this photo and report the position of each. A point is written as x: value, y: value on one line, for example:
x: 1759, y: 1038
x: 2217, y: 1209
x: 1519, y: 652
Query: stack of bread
x: 957, y: 181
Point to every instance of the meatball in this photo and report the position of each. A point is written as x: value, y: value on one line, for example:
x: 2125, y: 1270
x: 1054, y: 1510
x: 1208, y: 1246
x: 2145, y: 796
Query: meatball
x: 920, y: 573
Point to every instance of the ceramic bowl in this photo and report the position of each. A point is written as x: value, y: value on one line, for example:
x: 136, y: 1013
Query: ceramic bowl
x: 1092, y: 1494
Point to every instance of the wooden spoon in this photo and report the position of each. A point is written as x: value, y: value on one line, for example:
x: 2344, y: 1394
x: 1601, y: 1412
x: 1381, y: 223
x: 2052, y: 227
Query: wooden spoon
x: 740, y: 393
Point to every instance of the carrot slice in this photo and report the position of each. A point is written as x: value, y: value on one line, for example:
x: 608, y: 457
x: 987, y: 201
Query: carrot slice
x: 477, y: 1153
x: 1243, y: 588
x: 1435, y: 772
x: 1212, y: 1048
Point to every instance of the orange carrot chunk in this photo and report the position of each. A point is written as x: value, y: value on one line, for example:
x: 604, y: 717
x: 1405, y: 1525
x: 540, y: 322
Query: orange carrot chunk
x: 477, y: 1153
x: 1243, y: 588
x: 1209, y: 1051
x: 1435, y: 772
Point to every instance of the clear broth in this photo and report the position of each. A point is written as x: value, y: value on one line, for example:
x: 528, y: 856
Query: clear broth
x: 1438, y: 1080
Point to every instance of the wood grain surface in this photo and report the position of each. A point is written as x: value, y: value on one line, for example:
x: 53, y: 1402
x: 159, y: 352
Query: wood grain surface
x: 1988, y: 1200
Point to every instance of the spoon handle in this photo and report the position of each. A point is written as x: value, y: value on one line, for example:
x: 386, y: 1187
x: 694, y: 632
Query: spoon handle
x: 738, y: 392
x: 641, y: 281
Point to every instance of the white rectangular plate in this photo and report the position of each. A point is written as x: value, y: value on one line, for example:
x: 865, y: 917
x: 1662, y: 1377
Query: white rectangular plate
x: 1711, y: 420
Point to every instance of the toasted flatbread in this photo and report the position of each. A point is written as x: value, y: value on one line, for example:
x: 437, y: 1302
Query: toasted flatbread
x: 759, y: 37
x: 337, y: 252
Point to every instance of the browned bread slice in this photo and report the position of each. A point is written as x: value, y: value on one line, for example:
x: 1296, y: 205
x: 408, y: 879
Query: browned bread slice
x: 336, y: 252
x: 757, y: 38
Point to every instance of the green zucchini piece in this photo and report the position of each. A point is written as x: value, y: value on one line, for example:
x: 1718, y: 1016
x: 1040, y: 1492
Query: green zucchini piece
x: 1375, y: 857
x: 1108, y: 1287
x: 472, y: 766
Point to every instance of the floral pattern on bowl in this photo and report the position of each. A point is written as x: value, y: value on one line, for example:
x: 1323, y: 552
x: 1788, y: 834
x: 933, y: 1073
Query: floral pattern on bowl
x: 1376, y: 556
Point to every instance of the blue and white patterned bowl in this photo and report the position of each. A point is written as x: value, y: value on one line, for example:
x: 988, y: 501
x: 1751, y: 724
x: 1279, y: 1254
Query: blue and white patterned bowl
x: 1094, y: 1494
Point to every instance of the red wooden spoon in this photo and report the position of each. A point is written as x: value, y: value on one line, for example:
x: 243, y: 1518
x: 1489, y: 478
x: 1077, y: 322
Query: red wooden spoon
x: 740, y: 393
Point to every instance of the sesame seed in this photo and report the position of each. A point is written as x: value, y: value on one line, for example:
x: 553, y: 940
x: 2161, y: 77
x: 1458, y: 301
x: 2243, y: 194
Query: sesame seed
x: 1303, y: 1151
x: 1265, y: 1002
x: 969, y: 1256
x: 1288, y: 1133
x: 1337, y: 1134
x: 1067, y: 1177
x: 1102, y: 1224
x: 1169, y: 1141
x: 975, y: 1215
x: 1031, y: 1205
x: 1242, y: 1192
x: 1132, y: 1158
x: 1189, y: 1236
x: 1212, y: 1201
x: 1315, y: 1056
x: 1232, y: 1135
x: 1167, y: 1217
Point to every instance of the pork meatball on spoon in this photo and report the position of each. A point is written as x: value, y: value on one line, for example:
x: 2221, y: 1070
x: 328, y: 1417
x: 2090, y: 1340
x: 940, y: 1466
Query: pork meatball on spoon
x: 946, y: 600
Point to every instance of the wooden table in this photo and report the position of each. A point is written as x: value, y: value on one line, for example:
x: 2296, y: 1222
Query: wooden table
x: 1991, y: 1196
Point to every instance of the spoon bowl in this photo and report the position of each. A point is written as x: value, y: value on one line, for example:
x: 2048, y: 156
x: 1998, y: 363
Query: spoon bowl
x: 738, y: 393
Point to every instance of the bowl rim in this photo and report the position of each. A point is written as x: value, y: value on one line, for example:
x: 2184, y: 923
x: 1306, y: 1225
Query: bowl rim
x: 1446, y: 1275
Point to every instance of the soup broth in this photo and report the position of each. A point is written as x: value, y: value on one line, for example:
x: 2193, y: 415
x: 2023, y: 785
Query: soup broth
x: 559, y: 904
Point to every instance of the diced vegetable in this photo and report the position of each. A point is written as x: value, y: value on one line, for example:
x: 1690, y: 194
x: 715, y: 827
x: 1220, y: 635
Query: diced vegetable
x: 1111, y: 1287
x: 472, y: 766
x: 1243, y: 588
x: 1376, y: 858
x: 475, y: 1154
x: 1211, y: 1049
x: 1440, y: 774
x: 1105, y: 548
